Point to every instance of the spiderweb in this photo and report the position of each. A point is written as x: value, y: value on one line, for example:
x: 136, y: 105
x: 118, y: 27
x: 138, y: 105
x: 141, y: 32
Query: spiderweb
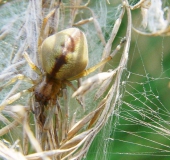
x: 139, y: 126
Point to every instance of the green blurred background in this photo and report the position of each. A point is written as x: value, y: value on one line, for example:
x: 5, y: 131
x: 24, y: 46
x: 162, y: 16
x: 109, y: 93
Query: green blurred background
x: 139, y: 128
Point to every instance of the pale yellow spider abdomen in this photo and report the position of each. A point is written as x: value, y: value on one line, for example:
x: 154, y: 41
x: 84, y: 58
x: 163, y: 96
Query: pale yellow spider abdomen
x: 64, y: 54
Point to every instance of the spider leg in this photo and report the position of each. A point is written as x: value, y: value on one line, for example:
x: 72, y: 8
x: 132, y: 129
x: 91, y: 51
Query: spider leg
x: 15, y: 78
x: 31, y: 64
x: 13, y: 98
x: 92, y: 69
x: 16, y: 96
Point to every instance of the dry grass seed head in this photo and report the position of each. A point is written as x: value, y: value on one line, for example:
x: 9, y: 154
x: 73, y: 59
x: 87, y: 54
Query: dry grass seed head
x: 52, y: 127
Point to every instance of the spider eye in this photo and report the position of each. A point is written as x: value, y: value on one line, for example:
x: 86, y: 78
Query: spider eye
x: 64, y: 54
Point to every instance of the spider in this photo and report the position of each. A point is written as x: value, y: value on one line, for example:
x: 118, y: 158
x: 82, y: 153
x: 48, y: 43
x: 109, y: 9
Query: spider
x: 63, y: 58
